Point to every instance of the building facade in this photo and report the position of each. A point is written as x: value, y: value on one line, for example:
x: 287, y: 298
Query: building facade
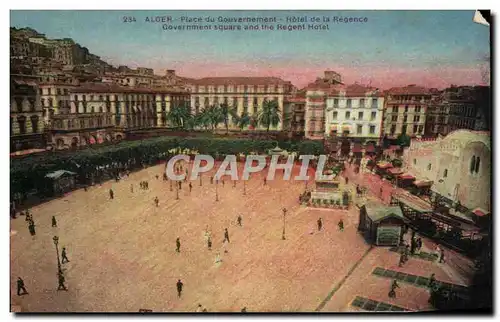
x: 405, y: 111
x: 469, y: 108
x: 459, y: 165
x: 354, y: 112
x: 297, y: 106
x: 437, y: 116
x: 246, y: 94
x: 27, y: 129
x: 102, y: 112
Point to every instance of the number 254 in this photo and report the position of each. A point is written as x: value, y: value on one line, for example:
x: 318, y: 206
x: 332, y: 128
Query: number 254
x: 128, y: 19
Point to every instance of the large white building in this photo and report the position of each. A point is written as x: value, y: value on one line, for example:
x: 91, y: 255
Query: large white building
x: 459, y: 166
x: 354, y: 111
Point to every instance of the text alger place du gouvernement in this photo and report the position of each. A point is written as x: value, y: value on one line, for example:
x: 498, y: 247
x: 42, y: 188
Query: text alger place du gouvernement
x: 294, y: 23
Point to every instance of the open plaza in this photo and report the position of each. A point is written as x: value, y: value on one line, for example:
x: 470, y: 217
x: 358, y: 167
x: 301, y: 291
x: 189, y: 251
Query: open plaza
x: 122, y: 251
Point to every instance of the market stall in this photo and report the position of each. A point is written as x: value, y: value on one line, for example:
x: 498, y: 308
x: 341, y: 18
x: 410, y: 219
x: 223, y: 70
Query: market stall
x: 382, y: 225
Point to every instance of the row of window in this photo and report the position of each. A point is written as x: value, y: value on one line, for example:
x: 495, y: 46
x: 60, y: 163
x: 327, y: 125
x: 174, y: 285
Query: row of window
x: 361, y: 115
x: 230, y: 89
x: 362, y: 102
x: 408, y: 98
x: 417, y: 129
x: 359, y: 130
x: 225, y: 100
x: 21, y: 121
x: 395, y: 109
x: 416, y: 118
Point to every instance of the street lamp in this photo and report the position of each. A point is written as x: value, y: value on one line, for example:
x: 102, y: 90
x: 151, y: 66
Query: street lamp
x: 216, y: 190
x: 56, y: 242
x: 244, y: 187
x: 284, y: 216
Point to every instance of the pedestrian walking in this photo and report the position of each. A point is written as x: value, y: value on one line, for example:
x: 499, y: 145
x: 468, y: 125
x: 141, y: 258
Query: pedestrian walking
x: 419, y: 244
x: 178, y: 245
x: 31, y: 228
x: 64, y: 256
x: 179, y: 288
x: 211, y: 180
x: 217, y: 258
x: 190, y: 186
x: 132, y: 188
x: 346, y: 180
x: 61, y: 279
x: 199, y: 308
x: 157, y: 201
x: 401, y: 260
x: 239, y: 220
x: 209, y: 243
x: 441, y: 256
x: 234, y: 183
x: 21, y: 287
x: 54, y: 222
x: 111, y: 194
x: 341, y: 225
x: 222, y: 182
x: 320, y: 224
x: 265, y: 181
x: 157, y: 177
x: 226, y: 235
x: 392, y: 292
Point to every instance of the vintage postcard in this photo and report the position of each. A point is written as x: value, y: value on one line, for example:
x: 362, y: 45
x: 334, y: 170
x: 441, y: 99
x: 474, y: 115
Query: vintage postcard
x: 250, y: 161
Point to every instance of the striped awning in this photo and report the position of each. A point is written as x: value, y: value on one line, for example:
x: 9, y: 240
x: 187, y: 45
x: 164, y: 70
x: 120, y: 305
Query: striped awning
x: 384, y: 165
x: 395, y: 171
x: 423, y: 183
x: 480, y: 212
x: 406, y: 176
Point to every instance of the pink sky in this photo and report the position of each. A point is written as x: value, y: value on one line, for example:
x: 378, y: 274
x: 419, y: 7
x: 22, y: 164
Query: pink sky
x: 382, y: 77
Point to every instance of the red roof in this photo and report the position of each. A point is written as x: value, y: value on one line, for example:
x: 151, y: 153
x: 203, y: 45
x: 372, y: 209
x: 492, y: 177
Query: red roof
x: 409, y: 90
x: 239, y: 81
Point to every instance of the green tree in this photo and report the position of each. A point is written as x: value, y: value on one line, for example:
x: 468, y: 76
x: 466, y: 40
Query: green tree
x: 270, y: 115
x: 179, y: 115
x: 241, y: 121
x: 215, y: 116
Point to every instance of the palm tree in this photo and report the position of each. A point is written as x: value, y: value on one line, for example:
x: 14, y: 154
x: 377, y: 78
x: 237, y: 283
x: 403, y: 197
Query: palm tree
x: 179, y: 115
x: 215, y: 116
x: 241, y: 120
x: 202, y: 119
x: 270, y: 115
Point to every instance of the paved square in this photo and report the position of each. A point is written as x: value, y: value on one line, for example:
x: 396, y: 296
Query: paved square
x: 122, y: 251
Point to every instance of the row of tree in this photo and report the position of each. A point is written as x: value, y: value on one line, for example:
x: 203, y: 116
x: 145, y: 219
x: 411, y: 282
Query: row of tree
x: 212, y: 116
x: 28, y: 173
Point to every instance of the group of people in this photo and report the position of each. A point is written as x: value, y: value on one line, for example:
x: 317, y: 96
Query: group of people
x: 21, y: 288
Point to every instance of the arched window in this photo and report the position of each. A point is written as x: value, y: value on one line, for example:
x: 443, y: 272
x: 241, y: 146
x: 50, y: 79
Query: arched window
x: 476, y: 167
x: 472, y: 164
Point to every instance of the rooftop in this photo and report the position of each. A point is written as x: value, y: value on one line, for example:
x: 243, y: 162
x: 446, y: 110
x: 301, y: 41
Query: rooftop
x: 239, y: 81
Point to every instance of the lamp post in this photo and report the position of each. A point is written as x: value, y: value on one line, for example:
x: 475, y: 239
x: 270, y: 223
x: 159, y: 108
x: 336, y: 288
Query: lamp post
x: 170, y: 184
x: 200, y: 179
x: 56, y: 242
x: 284, y: 216
x: 216, y: 190
x: 244, y: 187
x: 177, y: 190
